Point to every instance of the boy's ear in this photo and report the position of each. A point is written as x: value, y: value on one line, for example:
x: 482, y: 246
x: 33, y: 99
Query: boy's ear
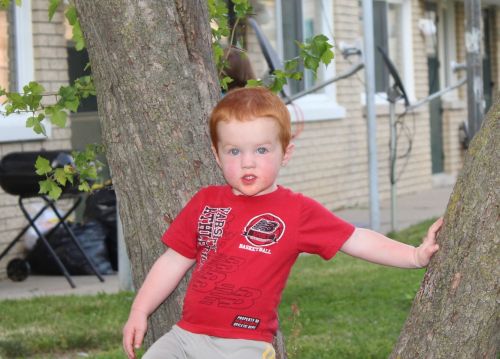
x: 216, y: 155
x: 288, y: 154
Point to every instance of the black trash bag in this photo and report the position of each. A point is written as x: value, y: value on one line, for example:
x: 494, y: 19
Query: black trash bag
x: 91, y: 236
x: 101, y: 206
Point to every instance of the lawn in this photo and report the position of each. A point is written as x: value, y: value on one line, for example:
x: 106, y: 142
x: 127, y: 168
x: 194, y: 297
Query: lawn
x: 344, y: 308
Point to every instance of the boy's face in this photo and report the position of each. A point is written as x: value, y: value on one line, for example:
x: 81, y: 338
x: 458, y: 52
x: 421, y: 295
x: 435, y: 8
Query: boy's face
x: 250, y: 155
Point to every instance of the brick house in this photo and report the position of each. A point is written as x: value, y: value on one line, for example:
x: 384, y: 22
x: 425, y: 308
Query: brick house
x: 31, y: 48
x: 330, y: 161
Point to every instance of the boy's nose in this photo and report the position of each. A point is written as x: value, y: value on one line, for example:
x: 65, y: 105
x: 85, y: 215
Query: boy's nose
x: 247, y: 160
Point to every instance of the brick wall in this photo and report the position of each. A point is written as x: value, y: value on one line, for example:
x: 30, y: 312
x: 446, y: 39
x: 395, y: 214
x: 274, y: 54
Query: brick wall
x: 51, y: 71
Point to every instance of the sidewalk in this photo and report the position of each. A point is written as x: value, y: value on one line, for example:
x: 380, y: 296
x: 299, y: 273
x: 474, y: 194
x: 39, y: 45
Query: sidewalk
x: 411, y: 209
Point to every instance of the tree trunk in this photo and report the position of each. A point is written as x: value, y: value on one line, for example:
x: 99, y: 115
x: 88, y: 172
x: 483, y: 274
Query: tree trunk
x: 155, y: 80
x: 156, y: 84
x: 455, y: 313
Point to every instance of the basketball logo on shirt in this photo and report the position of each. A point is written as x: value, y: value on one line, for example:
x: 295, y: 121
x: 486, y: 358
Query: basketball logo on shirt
x: 264, y: 230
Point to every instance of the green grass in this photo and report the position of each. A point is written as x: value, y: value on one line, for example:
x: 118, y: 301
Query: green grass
x: 46, y: 326
x: 345, y: 308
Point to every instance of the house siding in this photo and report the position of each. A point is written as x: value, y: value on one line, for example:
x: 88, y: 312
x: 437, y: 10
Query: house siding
x: 51, y: 71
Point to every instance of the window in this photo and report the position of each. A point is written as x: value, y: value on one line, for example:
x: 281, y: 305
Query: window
x: 285, y: 21
x: 77, y: 67
x: 437, y: 26
x: 17, y: 70
x: 393, y: 33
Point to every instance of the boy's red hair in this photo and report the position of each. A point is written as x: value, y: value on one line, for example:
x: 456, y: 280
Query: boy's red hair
x: 246, y: 104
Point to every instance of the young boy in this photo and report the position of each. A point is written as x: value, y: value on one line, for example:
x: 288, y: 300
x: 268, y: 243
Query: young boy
x: 243, y: 239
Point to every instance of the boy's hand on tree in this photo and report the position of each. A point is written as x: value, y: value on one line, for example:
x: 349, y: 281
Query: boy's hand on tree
x: 134, y: 331
x: 426, y: 250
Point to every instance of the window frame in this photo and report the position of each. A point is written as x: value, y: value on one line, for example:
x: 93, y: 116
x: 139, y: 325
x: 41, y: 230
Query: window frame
x: 13, y: 127
x: 317, y: 106
x: 406, y: 43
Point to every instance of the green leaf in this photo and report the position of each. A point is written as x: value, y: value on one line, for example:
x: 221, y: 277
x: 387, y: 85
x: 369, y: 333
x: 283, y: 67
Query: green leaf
x: 84, y: 186
x: 39, y: 128
x: 42, y: 166
x: 279, y: 81
x: 71, y: 15
x: 31, y: 121
x: 242, y: 8
x: 291, y: 65
x: 32, y: 95
x: 296, y: 75
x: 55, y: 192
x: 67, y: 92
x: 84, y: 87
x: 56, y: 115
x: 45, y: 186
x: 69, y: 169
x: 35, y: 88
x: 78, y: 37
x: 225, y: 81
x: 72, y: 105
x: 254, y: 83
x: 16, y: 103
x: 32, y: 102
x: 60, y: 176
x: 35, y: 122
x: 327, y: 57
x: 311, y: 63
x: 54, y: 4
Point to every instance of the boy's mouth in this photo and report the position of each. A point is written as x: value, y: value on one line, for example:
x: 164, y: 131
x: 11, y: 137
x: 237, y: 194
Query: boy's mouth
x: 248, y: 179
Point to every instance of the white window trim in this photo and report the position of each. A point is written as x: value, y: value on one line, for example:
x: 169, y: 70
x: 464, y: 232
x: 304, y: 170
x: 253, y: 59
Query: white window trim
x: 407, y: 55
x: 321, y: 106
x: 13, y: 127
x: 448, y: 50
x: 407, y: 47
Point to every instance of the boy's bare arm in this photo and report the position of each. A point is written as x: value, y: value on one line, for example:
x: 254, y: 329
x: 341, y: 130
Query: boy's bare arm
x: 161, y: 280
x: 377, y: 248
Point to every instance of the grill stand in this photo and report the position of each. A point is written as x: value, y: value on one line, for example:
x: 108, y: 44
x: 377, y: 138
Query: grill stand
x: 62, y: 221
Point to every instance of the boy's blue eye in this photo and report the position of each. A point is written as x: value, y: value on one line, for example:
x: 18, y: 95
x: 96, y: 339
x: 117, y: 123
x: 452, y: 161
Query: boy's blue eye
x: 234, y: 151
x: 262, y: 150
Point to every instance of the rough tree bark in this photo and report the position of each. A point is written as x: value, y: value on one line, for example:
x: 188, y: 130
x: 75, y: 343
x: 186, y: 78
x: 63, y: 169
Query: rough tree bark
x: 455, y: 313
x: 156, y: 84
x: 155, y: 80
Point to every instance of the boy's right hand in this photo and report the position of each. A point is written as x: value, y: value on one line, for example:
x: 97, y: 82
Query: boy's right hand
x: 134, y: 331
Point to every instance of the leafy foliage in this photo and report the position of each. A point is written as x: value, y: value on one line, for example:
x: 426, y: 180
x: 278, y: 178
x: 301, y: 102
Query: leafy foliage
x: 4, y: 4
x: 312, y: 52
x: 82, y: 172
x: 30, y: 100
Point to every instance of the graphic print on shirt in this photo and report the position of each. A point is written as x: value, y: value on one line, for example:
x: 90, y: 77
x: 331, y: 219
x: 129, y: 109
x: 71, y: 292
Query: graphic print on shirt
x: 210, y: 280
x: 244, y: 322
x: 210, y: 229
x: 262, y: 231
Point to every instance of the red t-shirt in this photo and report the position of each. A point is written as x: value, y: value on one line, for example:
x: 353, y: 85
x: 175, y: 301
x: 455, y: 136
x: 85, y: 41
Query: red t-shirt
x: 244, y: 249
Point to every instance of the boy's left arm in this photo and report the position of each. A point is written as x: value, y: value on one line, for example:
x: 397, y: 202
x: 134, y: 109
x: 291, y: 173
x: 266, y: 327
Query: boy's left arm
x: 377, y: 248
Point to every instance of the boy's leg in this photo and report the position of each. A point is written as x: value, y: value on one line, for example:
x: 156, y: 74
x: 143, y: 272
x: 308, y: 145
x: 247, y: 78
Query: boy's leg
x: 181, y: 344
x: 169, y: 346
x: 221, y: 348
